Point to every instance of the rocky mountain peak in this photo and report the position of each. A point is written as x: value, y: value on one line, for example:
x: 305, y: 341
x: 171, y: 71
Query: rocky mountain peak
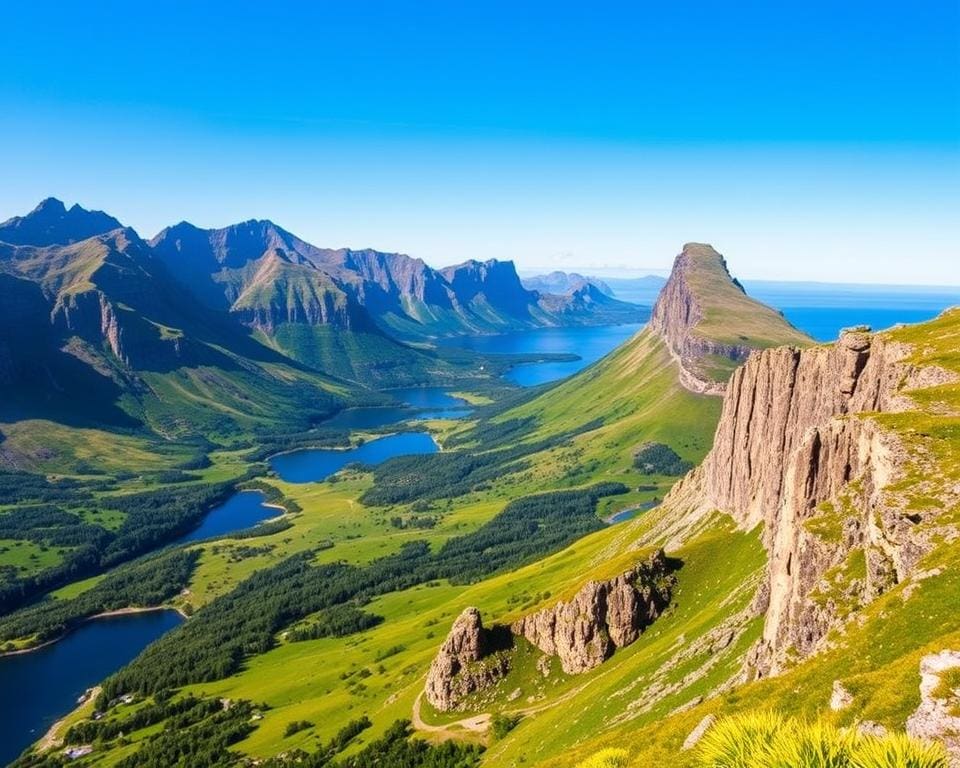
x: 708, y: 322
x: 51, y: 223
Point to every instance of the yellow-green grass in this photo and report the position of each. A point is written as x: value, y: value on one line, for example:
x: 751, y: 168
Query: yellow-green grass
x: 28, y: 557
x: 766, y: 739
x: 473, y: 398
x: 76, y: 588
x: 51, y: 448
x: 321, y: 681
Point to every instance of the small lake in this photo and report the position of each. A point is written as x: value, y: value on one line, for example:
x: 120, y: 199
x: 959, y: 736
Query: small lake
x: 417, y: 403
x: 242, y: 510
x: 312, y: 465
x: 40, y: 687
x: 589, y: 343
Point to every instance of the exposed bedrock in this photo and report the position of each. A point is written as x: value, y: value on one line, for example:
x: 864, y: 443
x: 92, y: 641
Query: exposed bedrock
x: 796, y: 450
x: 581, y: 633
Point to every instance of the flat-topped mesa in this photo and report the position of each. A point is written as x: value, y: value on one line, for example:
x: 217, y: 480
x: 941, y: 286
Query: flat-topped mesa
x: 797, y: 451
x: 582, y: 633
x: 709, y: 323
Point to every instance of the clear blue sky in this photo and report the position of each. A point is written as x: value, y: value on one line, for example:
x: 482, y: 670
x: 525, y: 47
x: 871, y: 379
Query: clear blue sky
x: 809, y: 140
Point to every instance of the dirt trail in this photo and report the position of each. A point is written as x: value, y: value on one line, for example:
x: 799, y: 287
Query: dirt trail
x: 477, y: 723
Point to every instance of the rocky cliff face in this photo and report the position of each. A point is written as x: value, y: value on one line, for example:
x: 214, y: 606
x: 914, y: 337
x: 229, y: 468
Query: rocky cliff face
x: 581, y: 633
x: 601, y: 617
x: 795, y: 450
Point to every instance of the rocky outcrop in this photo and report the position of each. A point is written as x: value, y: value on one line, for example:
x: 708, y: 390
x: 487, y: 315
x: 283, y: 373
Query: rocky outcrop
x: 581, y: 633
x: 794, y: 452
x: 91, y: 316
x: 469, y: 660
x: 937, y: 718
x: 601, y: 617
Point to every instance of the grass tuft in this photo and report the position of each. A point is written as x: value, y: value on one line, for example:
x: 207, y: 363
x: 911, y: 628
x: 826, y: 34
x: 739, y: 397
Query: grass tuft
x: 769, y: 740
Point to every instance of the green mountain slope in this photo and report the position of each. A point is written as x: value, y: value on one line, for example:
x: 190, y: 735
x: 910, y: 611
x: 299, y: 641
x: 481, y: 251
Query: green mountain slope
x: 100, y: 322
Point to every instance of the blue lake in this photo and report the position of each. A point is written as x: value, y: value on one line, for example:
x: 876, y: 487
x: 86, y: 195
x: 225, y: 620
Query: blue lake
x: 40, y: 687
x: 438, y: 402
x: 242, y: 510
x: 312, y: 465
x: 589, y: 343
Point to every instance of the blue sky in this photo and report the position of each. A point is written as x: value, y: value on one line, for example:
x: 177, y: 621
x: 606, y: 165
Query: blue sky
x: 814, y: 140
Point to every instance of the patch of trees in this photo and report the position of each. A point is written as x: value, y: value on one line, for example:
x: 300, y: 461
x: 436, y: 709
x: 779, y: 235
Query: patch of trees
x: 17, y: 487
x: 151, y: 519
x: 526, y: 529
x: 395, y: 749
x: 272, y: 495
x: 156, y: 517
x: 151, y: 581
x: 268, y: 528
x: 197, y: 738
x: 660, y: 459
x: 50, y: 525
x: 398, y: 750
x: 338, y: 621
x: 491, y: 433
x: 244, y: 622
x: 162, y: 708
x: 321, y: 437
x: 413, y: 521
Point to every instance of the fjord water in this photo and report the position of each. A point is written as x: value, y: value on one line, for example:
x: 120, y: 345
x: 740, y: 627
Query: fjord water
x: 822, y: 310
x: 825, y: 323
x: 312, y: 465
x: 415, y: 403
x: 41, y: 686
x: 242, y: 510
x: 589, y: 343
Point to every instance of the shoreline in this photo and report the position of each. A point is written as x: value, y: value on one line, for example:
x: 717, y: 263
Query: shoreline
x: 102, y: 615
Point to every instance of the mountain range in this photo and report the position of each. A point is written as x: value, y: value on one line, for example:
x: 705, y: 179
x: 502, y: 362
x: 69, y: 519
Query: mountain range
x: 95, y: 314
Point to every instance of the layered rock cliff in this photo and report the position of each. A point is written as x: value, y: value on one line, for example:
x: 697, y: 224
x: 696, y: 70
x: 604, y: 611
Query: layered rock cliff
x: 582, y: 632
x: 796, y: 451
x: 708, y: 322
